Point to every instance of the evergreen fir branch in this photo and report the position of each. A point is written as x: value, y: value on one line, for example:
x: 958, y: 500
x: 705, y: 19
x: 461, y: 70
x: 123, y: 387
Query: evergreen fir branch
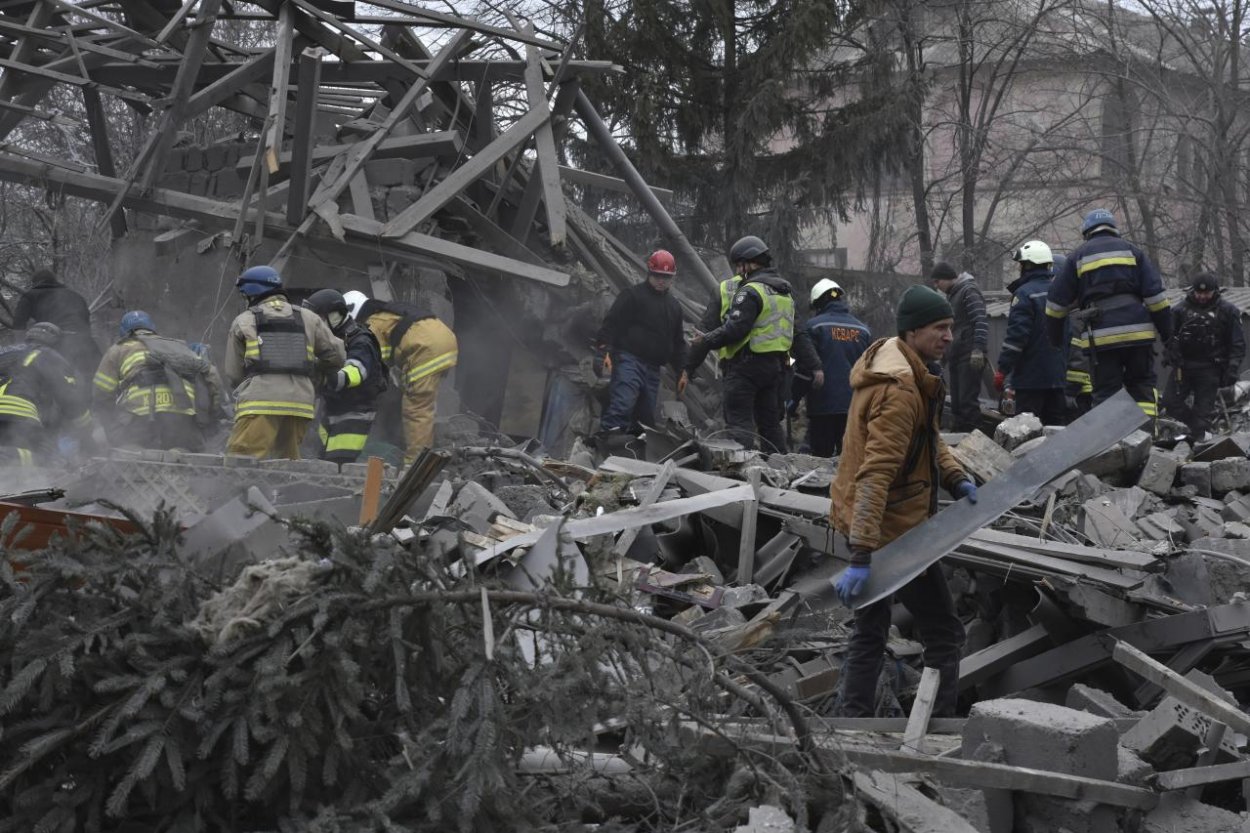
x: 267, y: 770
x: 21, y: 685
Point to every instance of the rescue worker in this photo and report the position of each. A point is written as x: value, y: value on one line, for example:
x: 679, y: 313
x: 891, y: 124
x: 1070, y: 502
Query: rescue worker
x: 1204, y: 354
x: 641, y: 333
x: 422, y: 350
x: 1079, y: 390
x: 1036, y: 369
x: 148, y: 389
x: 754, y: 334
x: 1115, y: 295
x: 40, y: 400
x: 273, y: 352
x: 350, y: 396
x: 48, y: 300
x: 893, y: 461
x: 840, y: 339
x: 965, y: 361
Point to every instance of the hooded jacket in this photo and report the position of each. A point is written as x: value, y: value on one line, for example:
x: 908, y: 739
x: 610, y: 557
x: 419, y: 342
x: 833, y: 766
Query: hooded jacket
x: 893, y: 456
x: 1027, y: 355
x: 972, y: 327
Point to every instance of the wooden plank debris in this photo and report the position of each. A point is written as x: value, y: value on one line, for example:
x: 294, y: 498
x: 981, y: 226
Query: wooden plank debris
x: 1187, y: 691
x: 911, y: 809
x: 921, y: 711
x: 1183, y: 779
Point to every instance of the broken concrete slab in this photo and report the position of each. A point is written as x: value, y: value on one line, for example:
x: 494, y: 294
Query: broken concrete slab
x: 1096, y: 701
x: 1230, y: 474
x: 1197, y: 475
x: 981, y: 457
x: 1133, y: 770
x: 1017, y: 430
x: 1105, y: 525
x: 1177, y: 813
x: 476, y: 506
x: 767, y: 819
x: 1044, y: 736
x: 239, y: 533
x: 1159, y: 472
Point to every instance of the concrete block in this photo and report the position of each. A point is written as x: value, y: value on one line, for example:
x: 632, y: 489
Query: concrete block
x: 1133, y: 770
x: 1229, y: 474
x: 1038, y: 814
x: 1170, y: 736
x: 1197, y: 475
x: 1024, y: 448
x: 1161, y: 526
x: 1017, y: 430
x: 969, y: 804
x: 1159, y: 472
x: 1000, y: 805
x: 1237, y: 509
x: 1200, y: 522
x: 197, y: 183
x: 1095, y: 701
x: 1137, y: 447
x: 239, y: 461
x: 215, y: 157
x: 1177, y: 813
x: 1108, y: 463
x: 1236, y: 529
x: 194, y: 159
x: 1045, y: 736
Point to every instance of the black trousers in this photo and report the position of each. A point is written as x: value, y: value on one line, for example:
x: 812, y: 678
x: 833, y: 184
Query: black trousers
x: 1202, y: 381
x: 965, y: 390
x: 1131, y: 368
x: 825, y: 432
x: 1047, y: 404
x: 938, y: 628
x: 752, y: 393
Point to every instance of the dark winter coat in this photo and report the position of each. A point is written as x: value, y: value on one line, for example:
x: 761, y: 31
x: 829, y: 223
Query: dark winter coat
x: 646, y: 324
x: 840, y: 339
x: 740, y: 318
x: 1027, y: 356
x: 971, y: 329
x: 1207, y: 336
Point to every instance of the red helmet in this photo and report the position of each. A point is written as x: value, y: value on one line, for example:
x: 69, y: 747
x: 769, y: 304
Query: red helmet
x: 662, y: 262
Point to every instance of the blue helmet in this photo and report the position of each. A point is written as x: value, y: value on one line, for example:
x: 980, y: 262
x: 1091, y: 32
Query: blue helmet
x: 1094, y: 219
x: 259, y: 280
x: 136, y: 319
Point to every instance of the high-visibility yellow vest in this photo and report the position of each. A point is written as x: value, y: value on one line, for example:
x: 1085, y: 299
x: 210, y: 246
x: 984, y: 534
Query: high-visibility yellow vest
x: 773, y: 331
x: 727, y: 291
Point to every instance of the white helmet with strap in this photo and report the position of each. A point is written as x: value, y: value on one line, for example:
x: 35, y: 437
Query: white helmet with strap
x: 825, y: 286
x: 1036, y: 252
x: 355, y: 300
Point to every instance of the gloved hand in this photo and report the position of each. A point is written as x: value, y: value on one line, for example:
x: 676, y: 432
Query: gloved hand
x: 682, y: 381
x: 67, y: 446
x: 851, y: 583
x: 977, y: 360
x: 818, y: 380
x: 338, y: 381
x: 1000, y: 379
x: 968, y: 489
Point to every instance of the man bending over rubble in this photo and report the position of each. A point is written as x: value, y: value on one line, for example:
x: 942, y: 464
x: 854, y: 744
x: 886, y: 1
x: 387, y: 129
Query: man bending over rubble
x: 893, y: 458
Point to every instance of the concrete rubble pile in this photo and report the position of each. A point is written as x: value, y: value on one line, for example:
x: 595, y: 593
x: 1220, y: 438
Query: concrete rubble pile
x: 1108, y: 635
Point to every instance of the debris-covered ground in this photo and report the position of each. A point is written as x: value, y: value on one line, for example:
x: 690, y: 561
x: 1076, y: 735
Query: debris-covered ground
x: 617, y: 643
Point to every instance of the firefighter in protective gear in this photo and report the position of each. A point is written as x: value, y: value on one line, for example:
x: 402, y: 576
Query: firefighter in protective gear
x: 754, y: 335
x: 1116, y: 295
x: 1035, y: 368
x: 422, y: 350
x: 1204, y: 354
x: 965, y: 361
x: 1079, y: 388
x: 52, y: 302
x: 273, y: 352
x: 641, y: 333
x: 147, y: 386
x: 350, y: 396
x: 40, y: 398
x: 839, y: 339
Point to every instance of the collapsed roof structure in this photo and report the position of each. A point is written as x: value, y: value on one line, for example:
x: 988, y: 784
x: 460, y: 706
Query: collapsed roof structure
x: 373, y: 160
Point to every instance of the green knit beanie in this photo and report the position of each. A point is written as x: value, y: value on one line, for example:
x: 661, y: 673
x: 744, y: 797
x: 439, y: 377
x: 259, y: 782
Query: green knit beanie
x: 920, y: 306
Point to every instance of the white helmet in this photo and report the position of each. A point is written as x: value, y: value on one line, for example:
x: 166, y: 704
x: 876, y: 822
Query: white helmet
x: 1035, y: 251
x: 825, y: 286
x: 355, y: 300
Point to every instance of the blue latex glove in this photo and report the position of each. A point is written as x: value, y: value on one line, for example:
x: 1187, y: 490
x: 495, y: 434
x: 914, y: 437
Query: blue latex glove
x: 851, y: 583
x: 67, y: 446
x: 968, y: 489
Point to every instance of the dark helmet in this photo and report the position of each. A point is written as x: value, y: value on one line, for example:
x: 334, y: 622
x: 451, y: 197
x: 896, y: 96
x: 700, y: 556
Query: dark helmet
x: 749, y: 248
x: 330, y: 305
x: 1205, y: 282
x: 1099, y: 218
x: 136, y: 319
x: 45, y: 333
x: 259, y: 280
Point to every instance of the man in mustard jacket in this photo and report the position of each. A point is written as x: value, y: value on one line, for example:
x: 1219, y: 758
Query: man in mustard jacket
x: 893, y: 460
x: 273, y: 353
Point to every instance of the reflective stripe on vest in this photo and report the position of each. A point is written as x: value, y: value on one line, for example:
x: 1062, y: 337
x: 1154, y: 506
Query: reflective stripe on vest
x: 727, y: 291
x: 773, y: 330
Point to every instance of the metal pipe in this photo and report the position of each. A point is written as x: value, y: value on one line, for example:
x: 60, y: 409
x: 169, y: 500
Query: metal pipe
x: 595, y: 124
